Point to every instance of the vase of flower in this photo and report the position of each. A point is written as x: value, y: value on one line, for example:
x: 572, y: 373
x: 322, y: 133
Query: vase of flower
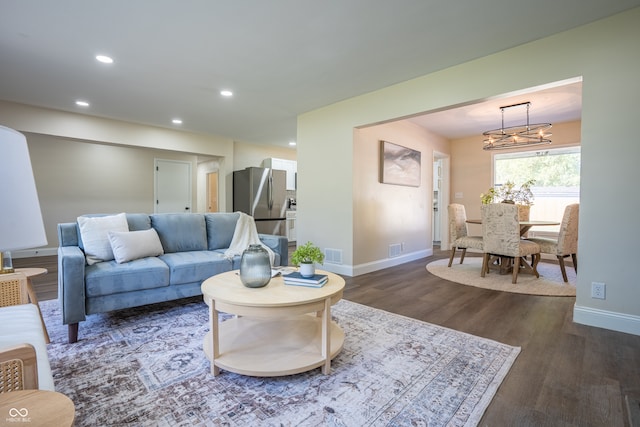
x: 508, y: 193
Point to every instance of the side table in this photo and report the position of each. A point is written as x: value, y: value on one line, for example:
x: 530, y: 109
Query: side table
x: 35, y: 408
x: 33, y: 272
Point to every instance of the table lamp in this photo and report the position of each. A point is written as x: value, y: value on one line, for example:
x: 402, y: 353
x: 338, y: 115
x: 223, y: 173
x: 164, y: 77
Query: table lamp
x: 21, y: 225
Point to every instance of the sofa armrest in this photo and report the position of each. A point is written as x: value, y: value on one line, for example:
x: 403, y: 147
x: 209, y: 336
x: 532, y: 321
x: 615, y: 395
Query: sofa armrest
x: 71, y: 290
x: 278, y: 244
x: 18, y: 368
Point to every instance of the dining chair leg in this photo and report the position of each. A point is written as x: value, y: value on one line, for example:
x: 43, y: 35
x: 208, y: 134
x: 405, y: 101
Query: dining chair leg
x: 562, y: 268
x: 516, y: 269
x: 534, y: 265
x: 453, y: 253
x: 574, y: 258
x: 464, y: 252
x: 485, y: 265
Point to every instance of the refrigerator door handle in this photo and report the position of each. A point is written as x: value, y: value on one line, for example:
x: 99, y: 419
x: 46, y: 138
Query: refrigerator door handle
x: 270, y: 191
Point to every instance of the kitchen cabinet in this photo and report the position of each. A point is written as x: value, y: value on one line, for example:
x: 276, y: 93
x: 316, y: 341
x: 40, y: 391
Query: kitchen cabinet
x: 289, y: 166
x: 291, y: 226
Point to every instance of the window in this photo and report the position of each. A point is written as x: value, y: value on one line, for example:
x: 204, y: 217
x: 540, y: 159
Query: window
x: 557, y: 175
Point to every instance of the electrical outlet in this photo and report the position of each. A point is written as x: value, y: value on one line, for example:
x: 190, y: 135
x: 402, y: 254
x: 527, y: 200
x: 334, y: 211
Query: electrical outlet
x: 598, y: 290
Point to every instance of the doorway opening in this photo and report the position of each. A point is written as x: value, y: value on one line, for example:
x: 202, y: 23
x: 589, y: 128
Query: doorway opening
x: 440, y: 233
x: 212, y: 192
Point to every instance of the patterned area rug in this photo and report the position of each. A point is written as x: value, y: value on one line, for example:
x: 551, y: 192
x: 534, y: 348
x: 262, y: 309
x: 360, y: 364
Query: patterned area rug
x: 550, y: 282
x: 146, y: 367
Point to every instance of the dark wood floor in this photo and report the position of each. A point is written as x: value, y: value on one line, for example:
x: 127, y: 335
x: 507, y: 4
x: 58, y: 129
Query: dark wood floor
x: 566, y: 374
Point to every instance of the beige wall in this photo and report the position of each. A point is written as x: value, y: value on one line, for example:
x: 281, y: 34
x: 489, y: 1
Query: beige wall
x: 246, y: 155
x: 391, y: 214
x: 605, y: 55
x: 75, y: 178
x: 472, y: 167
x: 86, y: 164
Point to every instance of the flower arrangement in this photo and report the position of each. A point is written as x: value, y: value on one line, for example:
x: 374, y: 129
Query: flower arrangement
x: 508, y: 193
x: 307, y: 254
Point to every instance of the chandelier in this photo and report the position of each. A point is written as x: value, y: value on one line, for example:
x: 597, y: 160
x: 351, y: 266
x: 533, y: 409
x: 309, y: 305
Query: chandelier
x: 516, y: 136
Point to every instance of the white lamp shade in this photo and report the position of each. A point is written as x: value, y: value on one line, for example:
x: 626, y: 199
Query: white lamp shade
x: 21, y: 225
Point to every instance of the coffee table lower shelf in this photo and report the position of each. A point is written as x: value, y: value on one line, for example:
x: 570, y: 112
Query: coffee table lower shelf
x: 268, y: 346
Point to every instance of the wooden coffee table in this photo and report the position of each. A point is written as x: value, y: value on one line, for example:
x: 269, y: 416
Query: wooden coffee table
x: 278, y: 329
x: 36, y: 408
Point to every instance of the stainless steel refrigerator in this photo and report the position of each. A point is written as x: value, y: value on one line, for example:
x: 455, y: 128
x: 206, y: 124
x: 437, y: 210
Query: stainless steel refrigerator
x: 261, y: 193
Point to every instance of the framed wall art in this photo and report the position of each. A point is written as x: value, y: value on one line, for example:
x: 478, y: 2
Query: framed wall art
x: 399, y: 165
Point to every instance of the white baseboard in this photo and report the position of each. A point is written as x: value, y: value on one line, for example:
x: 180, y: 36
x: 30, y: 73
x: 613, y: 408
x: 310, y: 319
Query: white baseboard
x: 351, y: 271
x: 620, y: 322
x: 34, y: 252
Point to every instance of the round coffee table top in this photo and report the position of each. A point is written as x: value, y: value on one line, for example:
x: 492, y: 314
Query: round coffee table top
x: 227, y: 287
x: 37, y: 408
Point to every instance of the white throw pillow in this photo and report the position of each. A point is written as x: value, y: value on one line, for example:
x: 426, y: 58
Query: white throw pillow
x: 93, y: 231
x: 130, y: 245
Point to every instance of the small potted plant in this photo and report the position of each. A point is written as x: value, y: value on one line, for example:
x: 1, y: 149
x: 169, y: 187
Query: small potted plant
x: 508, y: 193
x: 306, y: 257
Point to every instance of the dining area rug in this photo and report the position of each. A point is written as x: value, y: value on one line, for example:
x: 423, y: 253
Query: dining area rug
x: 550, y: 282
x: 145, y: 367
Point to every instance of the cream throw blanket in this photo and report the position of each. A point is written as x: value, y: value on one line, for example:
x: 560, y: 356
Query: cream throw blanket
x: 244, y: 235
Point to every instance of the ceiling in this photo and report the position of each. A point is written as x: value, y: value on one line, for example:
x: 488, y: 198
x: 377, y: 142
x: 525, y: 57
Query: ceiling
x: 556, y: 103
x: 281, y: 58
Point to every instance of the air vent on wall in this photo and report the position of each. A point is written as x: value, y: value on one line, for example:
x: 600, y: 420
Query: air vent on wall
x: 395, y: 250
x: 333, y: 256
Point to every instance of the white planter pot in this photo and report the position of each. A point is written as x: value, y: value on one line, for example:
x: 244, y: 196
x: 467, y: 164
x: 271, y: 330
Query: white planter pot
x: 307, y: 270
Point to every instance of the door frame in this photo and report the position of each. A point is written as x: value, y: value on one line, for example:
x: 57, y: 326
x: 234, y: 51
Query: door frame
x: 444, y: 193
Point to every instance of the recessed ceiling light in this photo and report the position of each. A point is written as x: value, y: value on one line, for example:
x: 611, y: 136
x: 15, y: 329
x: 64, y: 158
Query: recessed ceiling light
x: 104, y: 59
x: 226, y: 93
x: 176, y: 121
x: 82, y: 103
x: 292, y: 143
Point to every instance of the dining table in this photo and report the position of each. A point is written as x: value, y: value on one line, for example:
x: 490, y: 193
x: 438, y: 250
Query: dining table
x: 524, y: 225
x: 504, y: 265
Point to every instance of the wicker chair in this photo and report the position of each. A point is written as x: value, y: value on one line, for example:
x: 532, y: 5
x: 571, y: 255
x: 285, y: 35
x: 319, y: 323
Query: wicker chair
x: 501, y: 234
x: 18, y: 363
x: 458, y: 234
x: 13, y: 289
x: 18, y: 368
x: 567, y: 242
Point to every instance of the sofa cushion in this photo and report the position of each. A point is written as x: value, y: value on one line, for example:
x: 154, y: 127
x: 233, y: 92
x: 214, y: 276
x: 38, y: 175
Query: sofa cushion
x: 108, y: 278
x: 181, y: 232
x: 220, y: 228
x: 94, y: 233
x: 21, y: 324
x: 138, y: 221
x: 130, y: 245
x: 195, y: 266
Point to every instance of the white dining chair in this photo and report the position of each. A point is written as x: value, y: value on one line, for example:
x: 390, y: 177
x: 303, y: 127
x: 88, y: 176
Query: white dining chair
x: 567, y: 242
x: 501, y: 236
x: 458, y: 233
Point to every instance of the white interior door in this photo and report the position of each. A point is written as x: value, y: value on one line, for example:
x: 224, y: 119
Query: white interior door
x: 172, y: 186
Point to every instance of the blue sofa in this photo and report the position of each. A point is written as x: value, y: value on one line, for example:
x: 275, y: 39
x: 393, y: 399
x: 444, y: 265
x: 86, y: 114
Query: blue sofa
x: 193, y: 244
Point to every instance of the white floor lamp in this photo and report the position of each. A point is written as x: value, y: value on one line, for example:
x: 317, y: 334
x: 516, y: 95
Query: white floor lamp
x: 21, y: 225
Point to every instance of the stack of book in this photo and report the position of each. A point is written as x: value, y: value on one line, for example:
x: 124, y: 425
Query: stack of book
x: 296, y: 279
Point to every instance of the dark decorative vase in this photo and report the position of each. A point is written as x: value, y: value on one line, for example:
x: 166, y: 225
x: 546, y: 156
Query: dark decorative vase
x: 255, y: 267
